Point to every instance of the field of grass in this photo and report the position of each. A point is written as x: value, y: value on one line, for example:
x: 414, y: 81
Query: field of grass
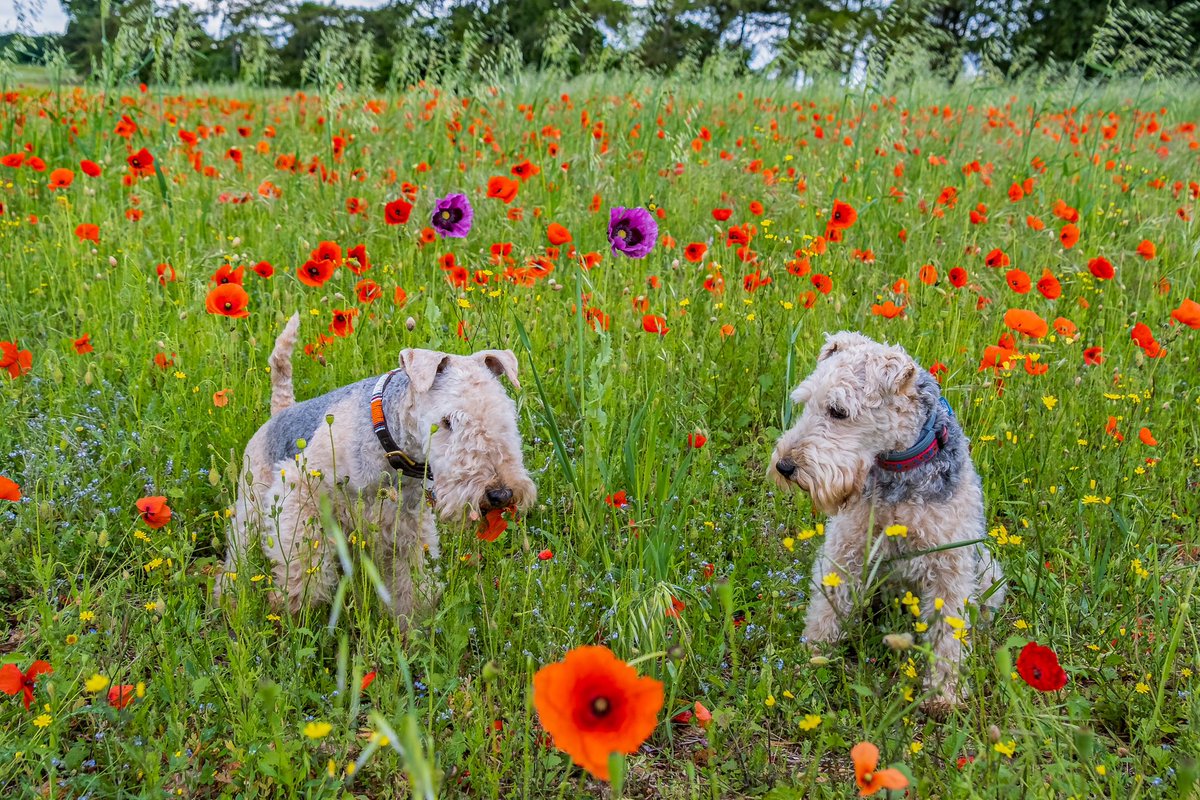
x: 1090, y: 464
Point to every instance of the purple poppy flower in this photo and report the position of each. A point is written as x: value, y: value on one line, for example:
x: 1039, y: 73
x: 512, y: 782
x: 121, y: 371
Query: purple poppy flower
x: 632, y: 231
x: 452, y: 216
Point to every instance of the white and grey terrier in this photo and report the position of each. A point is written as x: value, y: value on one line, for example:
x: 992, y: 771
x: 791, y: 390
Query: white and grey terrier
x: 373, y: 447
x: 877, y: 447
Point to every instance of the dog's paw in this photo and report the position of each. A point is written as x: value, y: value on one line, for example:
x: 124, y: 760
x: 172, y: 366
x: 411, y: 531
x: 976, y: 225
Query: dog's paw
x: 939, y: 707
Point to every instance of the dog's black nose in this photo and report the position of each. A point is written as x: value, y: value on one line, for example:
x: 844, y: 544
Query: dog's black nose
x: 785, y: 467
x: 499, y: 498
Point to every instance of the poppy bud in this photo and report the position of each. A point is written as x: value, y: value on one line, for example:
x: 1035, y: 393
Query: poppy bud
x: 112, y: 261
x: 676, y: 653
x: 819, y: 661
x: 993, y: 734
x: 410, y: 323
x: 237, y: 240
x: 491, y: 671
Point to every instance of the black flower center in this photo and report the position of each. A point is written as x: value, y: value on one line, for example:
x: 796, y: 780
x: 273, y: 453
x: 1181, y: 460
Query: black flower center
x: 601, y: 706
x: 1037, y: 674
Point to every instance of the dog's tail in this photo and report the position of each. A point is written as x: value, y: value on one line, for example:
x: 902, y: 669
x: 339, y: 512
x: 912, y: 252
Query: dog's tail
x: 282, y: 393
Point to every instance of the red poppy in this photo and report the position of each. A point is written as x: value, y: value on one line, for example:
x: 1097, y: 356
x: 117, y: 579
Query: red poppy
x: 1026, y: 322
x: 1102, y: 268
x: 120, y: 696
x: 343, y: 321
x: 996, y: 258
x: 166, y: 273
x: 842, y: 216
x: 1049, y: 286
x: 696, y: 440
x: 958, y: 277
x: 227, y: 274
x: 1069, y: 236
x: 1038, y: 666
x: 593, y: 705
x: 502, y: 188
x: 888, y: 310
x: 1034, y: 223
x: 617, y: 499
x: 1147, y: 438
x: 89, y: 168
x: 1018, y: 281
x: 928, y: 275
x: 868, y: 776
x: 154, y: 511
x: 695, y: 252
x: 397, y: 212
x: 368, y: 291
x: 83, y: 344
x: 1093, y: 356
x: 1065, y: 327
x: 823, y: 283
x: 9, y: 490
x: 367, y: 680
x: 315, y: 273
x: 61, y: 178
x: 15, y: 360
x: 356, y: 259
x: 1188, y: 313
x: 263, y: 269
x: 228, y: 300
x: 13, y: 160
x: 652, y: 323
x: 13, y: 681
x: 557, y: 234
x: 141, y: 160
x: 525, y: 170
x: 1065, y: 212
x: 722, y: 214
x: 86, y: 231
x: 1146, y: 249
x: 493, y: 524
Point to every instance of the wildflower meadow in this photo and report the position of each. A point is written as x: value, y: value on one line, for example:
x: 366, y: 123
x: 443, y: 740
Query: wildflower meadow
x: 664, y: 255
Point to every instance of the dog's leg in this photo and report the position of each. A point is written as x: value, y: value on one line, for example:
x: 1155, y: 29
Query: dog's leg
x: 828, y: 606
x: 948, y: 576
x: 303, y: 560
x: 990, y: 574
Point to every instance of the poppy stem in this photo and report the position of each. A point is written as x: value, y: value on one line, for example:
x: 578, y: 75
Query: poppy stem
x: 647, y: 657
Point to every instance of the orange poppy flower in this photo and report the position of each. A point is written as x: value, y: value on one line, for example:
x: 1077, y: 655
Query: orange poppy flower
x: 88, y: 232
x: 1049, y: 286
x: 1069, y: 236
x: 343, y: 321
x: 154, y: 511
x: 869, y: 778
x: 228, y: 300
x: 120, y: 696
x: 61, y: 178
x: 1111, y: 429
x: 928, y: 275
x: 1018, y: 281
x: 1034, y: 223
x: 9, y: 490
x: 221, y: 398
x: 1065, y: 327
x: 593, y: 705
x: 557, y: 234
x: 1188, y: 313
x: 996, y: 258
x: 958, y: 277
x: 502, y: 188
x: 493, y: 524
x: 83, y: 344
x: 1147, y: 438
x: 90, y: 168
x: 823, y: 283
x: 1026, y: 322
x: 227, y: 274
x: 888, y: 310
x: 1146, y: 249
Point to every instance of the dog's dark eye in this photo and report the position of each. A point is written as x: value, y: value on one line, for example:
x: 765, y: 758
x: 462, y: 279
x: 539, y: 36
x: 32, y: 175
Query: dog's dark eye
x: 444, y: 424
x: 837, y: 412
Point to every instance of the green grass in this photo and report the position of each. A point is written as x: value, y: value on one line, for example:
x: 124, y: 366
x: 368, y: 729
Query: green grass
x: 90, y: 589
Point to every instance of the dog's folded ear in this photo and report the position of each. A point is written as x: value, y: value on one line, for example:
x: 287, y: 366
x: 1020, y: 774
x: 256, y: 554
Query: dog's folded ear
x: 501, y: 362
x: 841, y: 341
x: 422, y: 367
x: 897, y: 372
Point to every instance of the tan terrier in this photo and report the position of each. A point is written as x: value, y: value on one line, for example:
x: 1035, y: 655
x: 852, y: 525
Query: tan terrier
x: 437, y: 435
x: 877, y: 446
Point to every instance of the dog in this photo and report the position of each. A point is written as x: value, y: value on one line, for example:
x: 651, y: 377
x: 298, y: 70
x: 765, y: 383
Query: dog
x: 436, y: 436
x: 879, y: 450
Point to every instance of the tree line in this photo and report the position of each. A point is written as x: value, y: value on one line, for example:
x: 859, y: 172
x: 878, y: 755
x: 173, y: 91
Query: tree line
x: 301, y: 43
